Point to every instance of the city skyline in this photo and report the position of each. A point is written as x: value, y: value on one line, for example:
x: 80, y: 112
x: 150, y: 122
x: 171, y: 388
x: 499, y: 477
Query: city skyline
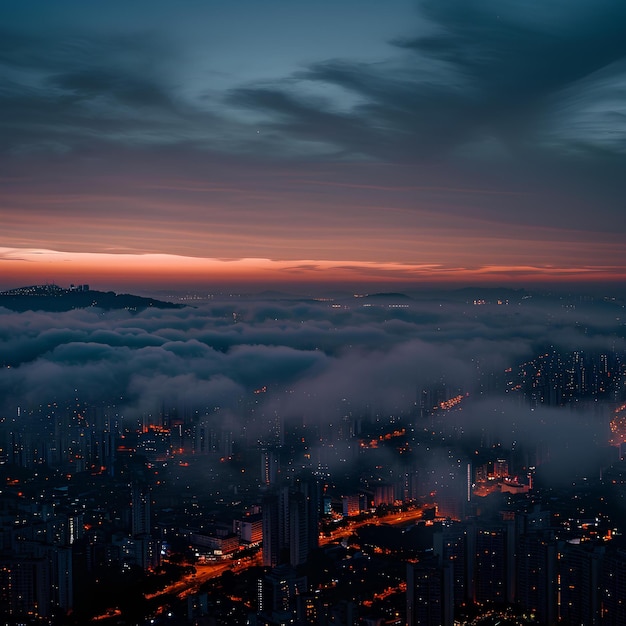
x: 312, y: 312
x: 360, y: 144
x: 157, y: 456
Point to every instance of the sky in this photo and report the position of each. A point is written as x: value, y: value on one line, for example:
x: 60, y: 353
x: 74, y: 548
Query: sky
x: 158, y: 143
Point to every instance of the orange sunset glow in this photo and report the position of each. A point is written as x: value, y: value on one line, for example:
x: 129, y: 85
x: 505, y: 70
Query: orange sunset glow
x: 242, y: 152
x: 107, y: 270
x: 313, y: 312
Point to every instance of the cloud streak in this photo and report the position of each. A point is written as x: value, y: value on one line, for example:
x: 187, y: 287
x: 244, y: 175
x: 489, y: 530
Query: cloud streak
x: 441, y: 133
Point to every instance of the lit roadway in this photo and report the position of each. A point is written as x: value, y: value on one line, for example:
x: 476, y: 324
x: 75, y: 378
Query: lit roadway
x: 190, y: 584
x: 392, y: 519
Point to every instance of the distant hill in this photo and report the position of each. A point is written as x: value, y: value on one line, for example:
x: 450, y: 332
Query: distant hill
x: 55, y: 298
x: 386, y: 296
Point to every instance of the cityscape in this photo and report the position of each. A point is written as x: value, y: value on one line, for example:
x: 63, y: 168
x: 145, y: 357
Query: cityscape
x: 433, y: 458
x: 312, y: 313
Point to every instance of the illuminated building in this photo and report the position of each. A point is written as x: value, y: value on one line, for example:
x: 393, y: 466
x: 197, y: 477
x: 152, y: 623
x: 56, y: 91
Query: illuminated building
x: 25, y: 585
x: 351, y: 505
x: 500, y: 468
x: 278, y: 593
x: 557, y: 379
x: 383, y: 494
x: 62, y: 587
x: 613, y: 589
x: 429, y: 593
x: 291, y: 522
x: 215, y: 541
x: 146, y: 551
x: 618, y: 427
x: 410, y: 486
x: 493, y: 572
x: 536, y: 564
x: 579, y: 584
x: 250, y: 528
x: 309, y: 502
x: 273, y: 537
x: 269, y: 466
x: 451, y: 491
x: 140, y: 510
x: 154, y: 444
x: 450, y: 544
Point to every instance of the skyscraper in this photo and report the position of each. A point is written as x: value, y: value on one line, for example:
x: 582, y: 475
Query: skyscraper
x: 492, y: 565
x: 536, y: 588
x: 450, y: 544
x: 291, y: 522
x: 140, y: 509
x: 429, y: 593
x: 613, y: 589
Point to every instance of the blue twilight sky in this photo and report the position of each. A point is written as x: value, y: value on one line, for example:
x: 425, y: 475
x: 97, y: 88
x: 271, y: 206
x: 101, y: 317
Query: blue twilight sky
x: 291, y: 141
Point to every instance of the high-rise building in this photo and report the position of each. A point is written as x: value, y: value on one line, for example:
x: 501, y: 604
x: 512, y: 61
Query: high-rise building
x: 62, y: 587
x: 579, y: 584
x: 269, y: 466
x: 291, y: 522
x: 613, y: 589
x: 274, y: 543
x: 298, y: 529
x: 278, y: 592
x: 140, y: 509
x: 536, y: 580
x: 450, y: 545
x: 351, y: 504
x: 429, y: 593
x: 493, y: 564
x: 25, y: 586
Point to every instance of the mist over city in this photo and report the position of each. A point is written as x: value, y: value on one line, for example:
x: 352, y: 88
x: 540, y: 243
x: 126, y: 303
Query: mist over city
x: 312, y: 313
x: 441, y: 412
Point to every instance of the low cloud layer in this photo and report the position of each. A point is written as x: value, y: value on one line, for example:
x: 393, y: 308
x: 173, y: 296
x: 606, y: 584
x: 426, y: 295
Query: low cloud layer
x: 313, y: 359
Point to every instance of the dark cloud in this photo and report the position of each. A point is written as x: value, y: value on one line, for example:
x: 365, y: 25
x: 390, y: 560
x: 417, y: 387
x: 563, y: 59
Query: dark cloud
x: 520, y: 51
x: 132, y: 91
x: 185, y: 392
x: 327, y: 371
x: 295, y: 117
x: 481, y: 75
x: 518, y: 60
x: 314, y: 360
x: 493, y: 116
x: 565, y: 444
x: 73, y: 92
x: 484, y: 78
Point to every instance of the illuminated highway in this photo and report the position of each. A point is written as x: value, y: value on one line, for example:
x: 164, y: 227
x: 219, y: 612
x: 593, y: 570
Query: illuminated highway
x: 206, y: 571
x: 392, y: 519
x: 190, y: 584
